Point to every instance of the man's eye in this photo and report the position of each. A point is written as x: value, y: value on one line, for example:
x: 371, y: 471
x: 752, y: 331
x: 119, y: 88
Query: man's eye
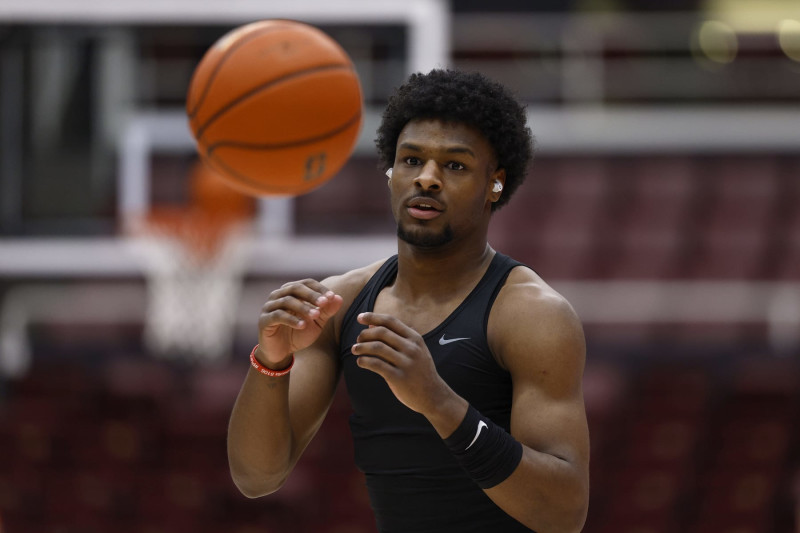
x: 455, y: 166
x: 412, y: 161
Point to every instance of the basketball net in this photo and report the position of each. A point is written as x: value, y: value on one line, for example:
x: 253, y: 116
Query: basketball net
x: 195, y: 257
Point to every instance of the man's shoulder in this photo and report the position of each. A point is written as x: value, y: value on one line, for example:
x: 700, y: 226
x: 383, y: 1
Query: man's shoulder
x: 526, y: 298
x: 534, y: 329
x: 349, y: 284
x: 525, y: 287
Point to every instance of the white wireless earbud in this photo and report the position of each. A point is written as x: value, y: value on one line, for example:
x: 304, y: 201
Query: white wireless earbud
x: 498, y: 187
x: 389, y: 173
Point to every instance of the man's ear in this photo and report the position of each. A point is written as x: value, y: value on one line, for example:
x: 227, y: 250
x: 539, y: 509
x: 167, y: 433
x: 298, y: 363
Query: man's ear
x: 498, y: 183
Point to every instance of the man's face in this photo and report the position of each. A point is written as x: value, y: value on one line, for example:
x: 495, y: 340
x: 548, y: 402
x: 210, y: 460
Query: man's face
x: 441, y: 182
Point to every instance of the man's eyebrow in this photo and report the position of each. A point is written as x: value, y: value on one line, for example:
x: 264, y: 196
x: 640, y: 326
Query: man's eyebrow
x: 410, y: 146
x: 451, y: 150
x: 460, y: 150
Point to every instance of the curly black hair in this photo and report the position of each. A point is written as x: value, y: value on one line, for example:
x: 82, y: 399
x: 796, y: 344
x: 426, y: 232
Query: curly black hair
x: 467, y: 98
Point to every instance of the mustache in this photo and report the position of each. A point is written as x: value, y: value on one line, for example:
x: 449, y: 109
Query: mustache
x: 421, y: 196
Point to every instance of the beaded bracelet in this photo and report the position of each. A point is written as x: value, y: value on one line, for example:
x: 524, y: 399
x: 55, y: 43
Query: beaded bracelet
x: 268, y: 371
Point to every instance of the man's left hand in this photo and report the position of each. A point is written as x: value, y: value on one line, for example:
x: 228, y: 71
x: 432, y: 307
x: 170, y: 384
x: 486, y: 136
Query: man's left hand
x: 398, y: 353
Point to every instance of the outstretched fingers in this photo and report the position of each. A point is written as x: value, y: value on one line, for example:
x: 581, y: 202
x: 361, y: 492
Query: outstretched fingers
x: 328, y: 305
x: 294, y: 317
x: 296, y: 303
x: 398, y: 353
x: 386, y: 339
x: 387, y: 321
x: 377, y: 364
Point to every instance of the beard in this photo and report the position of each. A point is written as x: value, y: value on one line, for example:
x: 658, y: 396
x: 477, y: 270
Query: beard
x: 424, y: 238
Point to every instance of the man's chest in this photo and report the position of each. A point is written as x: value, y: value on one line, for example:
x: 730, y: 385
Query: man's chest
x: 422, y: 316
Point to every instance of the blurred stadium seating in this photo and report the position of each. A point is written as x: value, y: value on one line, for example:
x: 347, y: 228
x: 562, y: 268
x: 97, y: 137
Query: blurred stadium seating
x: 663, y: 203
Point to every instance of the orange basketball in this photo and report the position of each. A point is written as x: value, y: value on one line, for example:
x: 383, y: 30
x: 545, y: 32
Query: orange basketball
x: 275, y: 107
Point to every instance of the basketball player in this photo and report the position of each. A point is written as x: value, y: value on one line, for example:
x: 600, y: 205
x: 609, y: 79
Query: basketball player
x: 463, y: 366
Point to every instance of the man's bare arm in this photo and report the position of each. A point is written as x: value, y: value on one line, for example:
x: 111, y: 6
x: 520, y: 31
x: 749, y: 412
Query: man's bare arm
x: 537, y: 336
x: 275, y: 418
x: 272, y: 421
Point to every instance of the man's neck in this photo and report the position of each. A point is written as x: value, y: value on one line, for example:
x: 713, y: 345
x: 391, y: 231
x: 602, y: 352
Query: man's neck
x: 439, y: 273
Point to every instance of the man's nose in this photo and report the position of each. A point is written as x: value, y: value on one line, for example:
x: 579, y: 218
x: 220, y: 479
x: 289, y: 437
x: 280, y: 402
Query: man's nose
x: 429, y: 177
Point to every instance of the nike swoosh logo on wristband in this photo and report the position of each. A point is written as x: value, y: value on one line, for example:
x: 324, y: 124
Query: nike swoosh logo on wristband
x: 481, y: 425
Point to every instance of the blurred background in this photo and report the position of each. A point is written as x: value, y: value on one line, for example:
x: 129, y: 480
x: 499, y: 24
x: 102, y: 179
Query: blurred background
x: 663, y: 203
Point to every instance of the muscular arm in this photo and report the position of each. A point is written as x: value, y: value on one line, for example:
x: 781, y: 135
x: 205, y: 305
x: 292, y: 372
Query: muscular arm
x: 537, y: 336
x: 274, y: 418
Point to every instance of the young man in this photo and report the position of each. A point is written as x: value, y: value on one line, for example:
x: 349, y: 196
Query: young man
x: 463, y: 366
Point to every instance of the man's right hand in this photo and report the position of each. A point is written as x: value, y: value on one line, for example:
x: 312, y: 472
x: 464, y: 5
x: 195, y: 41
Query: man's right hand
x: 293, y: 318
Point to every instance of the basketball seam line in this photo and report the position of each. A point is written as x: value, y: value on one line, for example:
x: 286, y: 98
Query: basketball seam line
x: 280, y: 146
x: 249, y: 181
x: 248, y: 94
x: 253, y: 183
x: 221, y: 62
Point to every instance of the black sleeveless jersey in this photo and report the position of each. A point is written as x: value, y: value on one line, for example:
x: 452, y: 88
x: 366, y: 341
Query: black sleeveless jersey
x: 414, y: 483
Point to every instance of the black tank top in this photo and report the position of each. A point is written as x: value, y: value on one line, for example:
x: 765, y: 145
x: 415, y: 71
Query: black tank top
x: 414, y: 483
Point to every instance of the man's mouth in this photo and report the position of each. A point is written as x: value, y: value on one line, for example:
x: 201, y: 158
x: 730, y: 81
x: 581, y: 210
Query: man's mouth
x: 425, y: 204
x: 424, y: 208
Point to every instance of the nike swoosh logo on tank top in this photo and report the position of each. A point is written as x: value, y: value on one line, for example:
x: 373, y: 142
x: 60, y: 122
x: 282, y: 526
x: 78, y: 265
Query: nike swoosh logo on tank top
x: 444, y: 341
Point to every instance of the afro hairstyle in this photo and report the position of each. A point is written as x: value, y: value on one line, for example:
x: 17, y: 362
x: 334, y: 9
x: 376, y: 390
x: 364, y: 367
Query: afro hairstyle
x: 468, y: 98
